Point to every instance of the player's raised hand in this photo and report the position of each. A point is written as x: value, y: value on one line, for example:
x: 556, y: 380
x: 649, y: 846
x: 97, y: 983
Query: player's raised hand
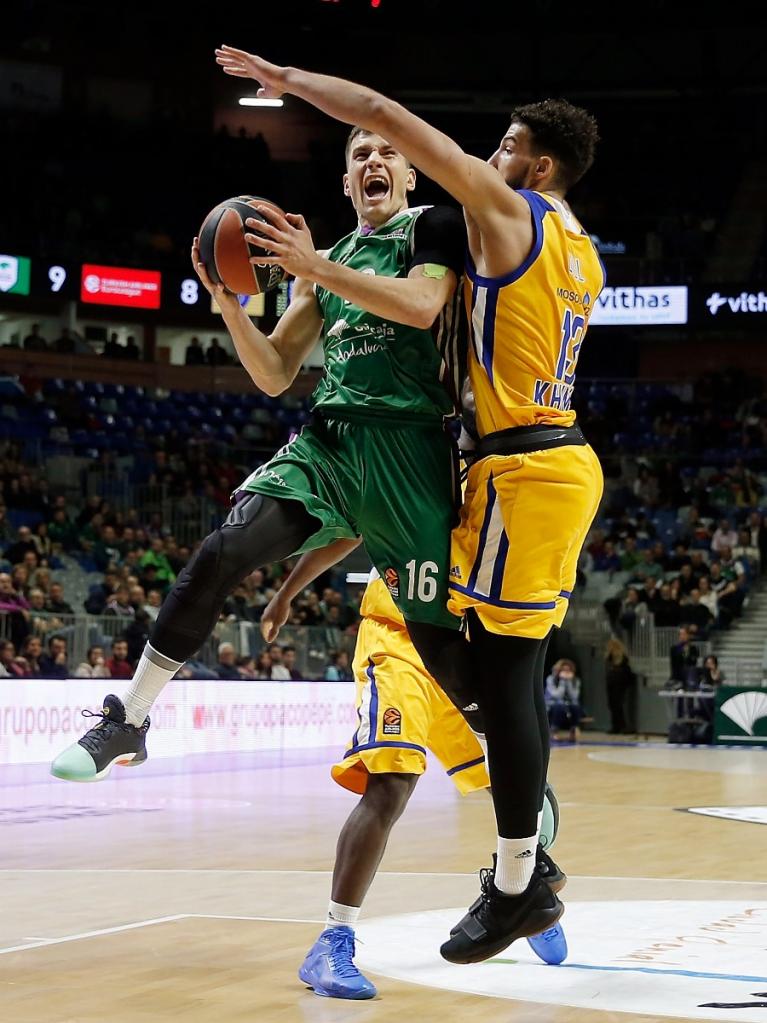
x: 289, y: 241
x: 276, y: 613
x: 248, y: 65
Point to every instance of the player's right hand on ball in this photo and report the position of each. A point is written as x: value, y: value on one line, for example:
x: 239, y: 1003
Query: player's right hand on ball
x: 226, y: 299
x: 275, y: 615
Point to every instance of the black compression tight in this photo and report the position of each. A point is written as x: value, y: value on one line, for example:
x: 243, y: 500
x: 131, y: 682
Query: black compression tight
x: 504, y: 674
x: 258, y: 531
x: 510, y: 677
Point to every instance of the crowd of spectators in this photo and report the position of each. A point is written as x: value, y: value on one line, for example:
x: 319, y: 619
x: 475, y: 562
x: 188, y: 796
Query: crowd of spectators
x: 137, y: 560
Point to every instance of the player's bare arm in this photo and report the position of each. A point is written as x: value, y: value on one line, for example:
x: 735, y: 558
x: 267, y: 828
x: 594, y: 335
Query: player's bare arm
x: 479, y: 188
x: 272, y: 362
x: 308, y: 568
x: 415, y: 300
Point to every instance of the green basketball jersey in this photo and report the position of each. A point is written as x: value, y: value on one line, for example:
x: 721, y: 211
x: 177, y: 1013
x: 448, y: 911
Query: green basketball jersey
x: 379, y: 368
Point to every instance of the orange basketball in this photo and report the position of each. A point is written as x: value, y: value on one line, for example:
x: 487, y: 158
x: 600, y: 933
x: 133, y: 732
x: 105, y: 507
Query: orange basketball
x: 227, y: 255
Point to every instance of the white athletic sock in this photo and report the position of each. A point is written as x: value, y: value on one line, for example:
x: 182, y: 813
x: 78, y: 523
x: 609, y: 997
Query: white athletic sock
x: 153, y: 672
x: 342, y: 916
x: 516, y: 860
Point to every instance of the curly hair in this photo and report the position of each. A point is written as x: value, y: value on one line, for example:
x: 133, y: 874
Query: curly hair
x: 566, y: 132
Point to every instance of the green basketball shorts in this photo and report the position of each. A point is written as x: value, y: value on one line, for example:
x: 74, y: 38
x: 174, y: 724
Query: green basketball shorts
x: 394, y: 485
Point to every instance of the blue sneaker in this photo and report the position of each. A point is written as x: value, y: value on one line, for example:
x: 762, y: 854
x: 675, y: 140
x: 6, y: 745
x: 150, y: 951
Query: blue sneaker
x: 551, y: 946
x: 329, y: 967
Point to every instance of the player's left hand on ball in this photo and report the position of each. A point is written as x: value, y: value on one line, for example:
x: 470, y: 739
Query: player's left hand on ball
x: 288, y: 240
x: 242, y: 64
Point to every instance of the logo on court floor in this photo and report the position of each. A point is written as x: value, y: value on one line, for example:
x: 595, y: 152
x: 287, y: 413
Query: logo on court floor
x: 747, y: 814
x: 662, y: 958
x: 391, y: 578
x: 392, y: 721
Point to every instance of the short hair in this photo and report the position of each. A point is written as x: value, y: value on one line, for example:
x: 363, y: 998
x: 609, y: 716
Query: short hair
x: 359, y: 130
x: 567, y: 132
x: 225, y: 648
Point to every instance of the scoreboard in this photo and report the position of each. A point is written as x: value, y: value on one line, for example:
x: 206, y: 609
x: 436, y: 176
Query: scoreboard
x: 168, y: 292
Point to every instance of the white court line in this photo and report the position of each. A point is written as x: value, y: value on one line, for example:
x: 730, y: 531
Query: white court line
x: 320, y: 873
x: 45, y: 942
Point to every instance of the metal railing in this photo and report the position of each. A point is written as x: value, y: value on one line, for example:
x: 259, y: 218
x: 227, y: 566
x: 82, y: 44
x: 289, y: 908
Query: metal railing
x: 313, y: 644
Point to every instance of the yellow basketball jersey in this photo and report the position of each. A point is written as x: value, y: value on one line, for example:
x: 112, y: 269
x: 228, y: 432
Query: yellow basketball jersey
x: 527, y: 327
x: 378, y: 604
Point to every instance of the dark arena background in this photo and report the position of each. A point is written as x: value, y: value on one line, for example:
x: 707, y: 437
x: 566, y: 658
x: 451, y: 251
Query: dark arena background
x: 192, y: 887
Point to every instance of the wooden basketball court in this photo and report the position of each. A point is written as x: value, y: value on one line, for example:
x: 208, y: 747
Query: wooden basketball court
x: 191, y: 891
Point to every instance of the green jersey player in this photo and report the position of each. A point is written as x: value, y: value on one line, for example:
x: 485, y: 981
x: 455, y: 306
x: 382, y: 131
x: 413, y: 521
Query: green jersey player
x: 376, y: 462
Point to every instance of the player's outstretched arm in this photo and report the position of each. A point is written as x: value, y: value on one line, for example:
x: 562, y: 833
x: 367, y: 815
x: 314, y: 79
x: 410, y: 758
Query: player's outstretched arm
x: 308, y: 567
x: 475, y: 184
x: 415, y: 300
x: 271, y: 362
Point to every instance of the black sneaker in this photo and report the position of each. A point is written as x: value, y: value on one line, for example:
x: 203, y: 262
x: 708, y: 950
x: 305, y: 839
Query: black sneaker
x: 555, y: 878
x: 496, y: 919
x: 111, y: 741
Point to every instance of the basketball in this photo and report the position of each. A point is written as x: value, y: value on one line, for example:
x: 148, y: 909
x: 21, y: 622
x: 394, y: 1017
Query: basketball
x: 225, y: 252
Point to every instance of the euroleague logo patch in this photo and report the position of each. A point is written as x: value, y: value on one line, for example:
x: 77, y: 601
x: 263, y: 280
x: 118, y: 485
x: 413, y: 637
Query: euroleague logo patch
x: 391, y: 578
x: 392, y: 721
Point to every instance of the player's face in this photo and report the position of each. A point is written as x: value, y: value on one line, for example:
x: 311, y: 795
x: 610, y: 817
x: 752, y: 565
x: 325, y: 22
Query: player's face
x: 514, y: 159
x: 377, y: 179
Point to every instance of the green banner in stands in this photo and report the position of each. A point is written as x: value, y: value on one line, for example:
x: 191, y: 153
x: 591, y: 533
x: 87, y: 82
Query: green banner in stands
x: 741, y: 716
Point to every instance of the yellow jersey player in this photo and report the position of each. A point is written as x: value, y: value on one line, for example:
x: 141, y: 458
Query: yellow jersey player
x: 401, y: 714
x: 534, y: 276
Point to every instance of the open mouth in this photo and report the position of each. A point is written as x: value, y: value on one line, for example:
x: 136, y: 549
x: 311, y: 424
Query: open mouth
x: 376, y: 187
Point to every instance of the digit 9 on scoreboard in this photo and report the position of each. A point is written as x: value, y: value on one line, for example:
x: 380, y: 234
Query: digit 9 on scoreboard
x: 55, y: 278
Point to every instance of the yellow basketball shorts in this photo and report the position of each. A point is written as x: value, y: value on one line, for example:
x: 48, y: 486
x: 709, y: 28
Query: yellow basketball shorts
x: 523, y: 522
x: 402, y: 714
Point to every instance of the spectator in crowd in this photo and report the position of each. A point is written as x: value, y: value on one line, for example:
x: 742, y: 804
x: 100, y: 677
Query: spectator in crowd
x: 289, y: 660
x: 338, y: 669
x: 246, y: 666
x: 237, y: 605
x: 106, y: 550
x: 94, y: 665
x: 156, y: 556
x: 607, y: 560
x: 264, y: 666
x: 65, y: 343
x: 747, y: 553
x: 118, y: 664
x: 724, y: 536
x: 631, y: 556
x: 563, y: 699
x: 216, y: 355
x: 55, y: 603
x: 648, y: 568
x: 712, y: 675
x: 621, y: 684
x: 119, y: 603
x: 696, y: 616
x: 97, y: 599
x: 226, y: 667
x: 112, y: 348
x: 53, y: 664
x: 43, y: 543
x: 684, y: 659
x: 728, y: 580
x: 24, y: 544
x: 153, y: 604
x: 667, y: 610
x: 195, y: 355
x: 132, y: 351
x: 708, y: 598
x: 62, y: 531
x: 20, y: 580
x: 16, y: 608
x: 632, y: 609
x: 34, y: 341
x: 687, y: 581
x: 31, y: 652
x: 280, y: 673
x: 12, y: 666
